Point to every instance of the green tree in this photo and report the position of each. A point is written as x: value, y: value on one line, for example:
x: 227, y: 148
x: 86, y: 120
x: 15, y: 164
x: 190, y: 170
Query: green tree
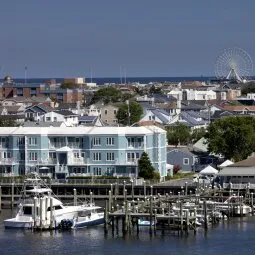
x: 67, y: 85
x: 126, y: 96
x: 197, y: 134
x: 233, y: 137
x: 146, y: 170
x: 4, y: 122
x: 107, y: 95
x: 130, y: 113
x: 179, y: 134
x: 248, y: 88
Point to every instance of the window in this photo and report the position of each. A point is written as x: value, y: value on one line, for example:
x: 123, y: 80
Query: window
x: 52, y: 155
x: 110, y: 156
x: 110, y: 141
x: 96, y: 141
x: 21, y: 141
x: 97, y: 156
x: 110, y: 171
x: 132, y: 156
x: 97, y: 171
x: 32, y: 141
x: 186, y: 161
x: 47, y: 118
x: 7, y: 154
x: 83, y: 154
x: 115, y: 112
x: 105, y: 112
x: 55, y: 118
x: 76, y: 155
x: 33, y: 156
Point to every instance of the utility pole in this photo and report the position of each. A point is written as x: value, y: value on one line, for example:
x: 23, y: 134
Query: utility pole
x: 128, y: 113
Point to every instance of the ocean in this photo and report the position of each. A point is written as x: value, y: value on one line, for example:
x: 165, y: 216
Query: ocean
x: 117, y: 80
x: 233, y: 237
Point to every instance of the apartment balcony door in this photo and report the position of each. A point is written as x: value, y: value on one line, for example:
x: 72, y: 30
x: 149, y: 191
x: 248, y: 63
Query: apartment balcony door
x: 62, y: 158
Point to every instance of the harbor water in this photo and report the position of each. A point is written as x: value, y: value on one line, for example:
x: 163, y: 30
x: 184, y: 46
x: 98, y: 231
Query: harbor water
x: 236, y: 236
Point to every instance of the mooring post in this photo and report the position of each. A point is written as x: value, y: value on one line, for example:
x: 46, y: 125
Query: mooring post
x: 186, y: 188
x: 155, y: 221
x: 51, y: 212
x: 0, y: 198
x: 74, y: 197
x: 205, y: 215
x: 132, y: 189
x: 181, y: 215
x: 12, y: 196
x: 151, y: 214
x: 124, y: 187
x: 106, y: 217
x: 110, y: 201
x: 91, y: 198
x: 151, y: 190
x: 144, y: 189
x: 252, y: 207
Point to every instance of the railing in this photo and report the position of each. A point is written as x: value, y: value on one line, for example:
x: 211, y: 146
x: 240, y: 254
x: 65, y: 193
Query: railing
x: 131, y: 162
x: 77, y: 161
x: 4, y: 161
x: 57, y: 145
x: 238, y: 185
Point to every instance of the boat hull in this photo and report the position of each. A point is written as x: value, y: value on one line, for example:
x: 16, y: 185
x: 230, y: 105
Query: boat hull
x: 13, y: 223
x: 83, y: 224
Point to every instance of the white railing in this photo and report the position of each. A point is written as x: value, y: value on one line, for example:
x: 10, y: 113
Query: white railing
x: 238, y: 185
x: 77, y: 161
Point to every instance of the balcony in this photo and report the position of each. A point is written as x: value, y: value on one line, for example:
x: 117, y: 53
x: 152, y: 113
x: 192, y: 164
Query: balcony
x: 57, y: 145
x: 61, y: 169
x: 74, y: 145
x: 127, y: 162
x: 77, y: 161
x: 7, y: 161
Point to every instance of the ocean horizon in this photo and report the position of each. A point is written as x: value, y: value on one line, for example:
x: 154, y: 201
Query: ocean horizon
x: 118, y: 80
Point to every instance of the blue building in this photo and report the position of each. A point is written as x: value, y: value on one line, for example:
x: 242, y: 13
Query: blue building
x: 88, y: 151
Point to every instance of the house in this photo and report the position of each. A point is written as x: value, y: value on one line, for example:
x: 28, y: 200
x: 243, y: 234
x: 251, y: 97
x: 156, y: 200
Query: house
x: 151, y: 113
x: 182, y: 157
x: 18, y: 100
x: 239, y: 175
x: 90, y: 121
x: 34, y: 112
x: 191, y: 119
x: 93, y: 109
x: 87, y: 151
x: 109, y: 112
x: 69, y: 118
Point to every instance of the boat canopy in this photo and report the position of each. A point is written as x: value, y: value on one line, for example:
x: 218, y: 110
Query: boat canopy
x: 39, y: 190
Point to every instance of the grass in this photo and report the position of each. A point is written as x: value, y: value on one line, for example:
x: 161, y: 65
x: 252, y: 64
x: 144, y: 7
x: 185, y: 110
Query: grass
x: 179, y: 176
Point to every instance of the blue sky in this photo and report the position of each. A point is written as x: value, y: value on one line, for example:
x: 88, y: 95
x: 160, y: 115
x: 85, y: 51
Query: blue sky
x: 64, y: 38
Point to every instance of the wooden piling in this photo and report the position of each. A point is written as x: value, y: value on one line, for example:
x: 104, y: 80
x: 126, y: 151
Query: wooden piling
x: 0, y: 198
x: 205, y: 215
x: 252, y: 207
x: 74, y: 197
x: 12, y: 196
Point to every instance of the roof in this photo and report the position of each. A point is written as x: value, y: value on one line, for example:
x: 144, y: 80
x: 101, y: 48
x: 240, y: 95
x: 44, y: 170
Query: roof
x: 180, y: 149
x: 81, y: 130
x: 43, y: 124
x: 245, y: 163
x: 226, y: 163
x: 65, y: 113
x: 209, y: 170
x: 201, y: 145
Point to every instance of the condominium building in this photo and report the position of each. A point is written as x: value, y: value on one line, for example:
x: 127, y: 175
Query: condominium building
x: 87, y: 151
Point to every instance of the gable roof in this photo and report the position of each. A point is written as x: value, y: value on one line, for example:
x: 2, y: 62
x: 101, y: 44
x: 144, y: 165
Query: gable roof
x: 249, y: 162
x: 66, y: 113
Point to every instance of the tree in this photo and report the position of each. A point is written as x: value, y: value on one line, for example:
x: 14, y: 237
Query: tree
x: 68, y: 85
x: 197, y: 134
x: 107, y: 95
x: 129, y: 113
x: 233, y: 137
x: 146, y: 170
x: 4, y: 122
x: 248, y: 88
x: 179, y: 134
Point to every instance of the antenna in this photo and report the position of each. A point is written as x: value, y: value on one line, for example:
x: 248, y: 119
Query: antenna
x: 90, y: 75
x: 120, y: 75
x: 25, y: 74
x: 125, y: 75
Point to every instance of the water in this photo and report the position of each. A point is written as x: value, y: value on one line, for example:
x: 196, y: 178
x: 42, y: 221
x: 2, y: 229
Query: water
x: 234, y: 237
x: 117, y: 80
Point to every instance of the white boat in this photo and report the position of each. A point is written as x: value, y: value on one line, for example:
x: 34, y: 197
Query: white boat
x: 88, y: 218
x: 144, y: 222
x: 40, y: 208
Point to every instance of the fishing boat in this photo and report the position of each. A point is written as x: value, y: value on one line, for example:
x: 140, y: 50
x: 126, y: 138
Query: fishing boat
x: 40, y: 208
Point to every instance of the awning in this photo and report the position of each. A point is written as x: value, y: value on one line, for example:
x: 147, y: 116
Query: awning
x: 209, y: 170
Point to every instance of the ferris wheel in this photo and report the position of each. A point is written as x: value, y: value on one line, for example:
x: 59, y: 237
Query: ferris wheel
x: 234, y: 64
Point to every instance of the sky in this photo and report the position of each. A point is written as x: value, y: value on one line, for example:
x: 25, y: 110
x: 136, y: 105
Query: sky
x: 142, y: 38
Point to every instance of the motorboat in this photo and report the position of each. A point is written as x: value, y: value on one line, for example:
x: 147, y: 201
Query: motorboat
x: 88, y: 218
x: 40, y: 208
